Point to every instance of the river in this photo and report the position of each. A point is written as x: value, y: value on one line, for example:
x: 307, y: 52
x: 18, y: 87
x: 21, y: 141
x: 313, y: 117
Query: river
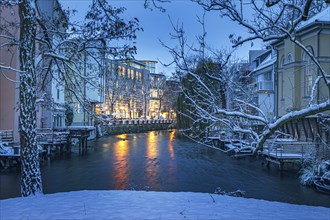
x: 159, y: 161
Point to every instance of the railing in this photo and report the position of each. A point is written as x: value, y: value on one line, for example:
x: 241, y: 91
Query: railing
x: 7, y: 136
x: 264, y: 86
x: 137, y: 126
x: 137, y: 121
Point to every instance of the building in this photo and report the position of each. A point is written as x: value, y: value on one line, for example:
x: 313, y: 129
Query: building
x: 127, y: 89
x: 263, y: 73
x: 157, y: 87
x: 50, y: 111
x: 90, y: 94
x: 296, y: 72
x: 51, y: 97
x: 9, y: 91
x: 169, y: 103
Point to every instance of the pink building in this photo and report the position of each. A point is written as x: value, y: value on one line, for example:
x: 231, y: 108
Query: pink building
x: 9, y: 58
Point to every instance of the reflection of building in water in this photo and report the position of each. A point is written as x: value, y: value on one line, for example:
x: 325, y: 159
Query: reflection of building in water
x: 170, y: 145
x: 152, y: 163
x: 121, y: 151
x: 152, y: 151
x: 171, y: 168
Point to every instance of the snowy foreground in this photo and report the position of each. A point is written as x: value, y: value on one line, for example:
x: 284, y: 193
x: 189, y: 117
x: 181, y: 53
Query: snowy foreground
x: 152, y: 205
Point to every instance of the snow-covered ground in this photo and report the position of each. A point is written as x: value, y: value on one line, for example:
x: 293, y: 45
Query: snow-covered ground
x: 152, y: 205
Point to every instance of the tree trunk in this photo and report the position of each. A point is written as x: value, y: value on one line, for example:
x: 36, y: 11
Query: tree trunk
x: 30, y: 166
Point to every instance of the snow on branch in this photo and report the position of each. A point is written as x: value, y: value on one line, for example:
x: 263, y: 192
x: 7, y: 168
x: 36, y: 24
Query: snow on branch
x: 272, y: 127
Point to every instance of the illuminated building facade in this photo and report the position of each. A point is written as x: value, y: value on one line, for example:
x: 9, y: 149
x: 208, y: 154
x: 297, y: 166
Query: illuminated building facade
x: 127, y: 86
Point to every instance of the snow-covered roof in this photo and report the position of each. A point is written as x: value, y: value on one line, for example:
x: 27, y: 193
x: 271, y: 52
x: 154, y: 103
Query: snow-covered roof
x: 266, y: 63
x: 323, y: 16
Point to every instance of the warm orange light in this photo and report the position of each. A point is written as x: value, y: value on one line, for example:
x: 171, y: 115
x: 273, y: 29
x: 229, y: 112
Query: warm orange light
x: 152, y: 151
x: 121, y: 152
x: 170, y: 145
x: 152, y: 166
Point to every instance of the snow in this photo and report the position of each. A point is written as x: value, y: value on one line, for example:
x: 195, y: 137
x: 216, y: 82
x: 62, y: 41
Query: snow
x: 266, y: 63
x: 80, y: 127
x: 152, y: 205
x: 323, y: 16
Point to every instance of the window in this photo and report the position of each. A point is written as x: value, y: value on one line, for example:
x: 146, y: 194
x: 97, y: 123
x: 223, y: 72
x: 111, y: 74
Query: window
x: 78, y: 107
x: 58, y: 94
x: 121, y: 71
x: 268, y: 76
x: 309, y: 72
x: 282, y: 85
x: 61, y: 121
x: 282, y: 61
x: 129, y: 73
x: 290, y: 59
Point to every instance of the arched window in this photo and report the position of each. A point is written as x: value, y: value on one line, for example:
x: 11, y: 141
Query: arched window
x: 309, y: 67
x: 289, y: 59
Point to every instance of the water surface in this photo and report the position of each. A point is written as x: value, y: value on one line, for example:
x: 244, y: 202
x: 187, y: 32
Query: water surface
x: 158, y: 161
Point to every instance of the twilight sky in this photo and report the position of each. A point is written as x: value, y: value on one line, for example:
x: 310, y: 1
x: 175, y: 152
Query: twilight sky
x: 157, y: 27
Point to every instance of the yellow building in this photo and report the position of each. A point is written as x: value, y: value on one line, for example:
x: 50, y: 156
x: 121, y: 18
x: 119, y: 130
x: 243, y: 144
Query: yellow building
x: 296, y: 72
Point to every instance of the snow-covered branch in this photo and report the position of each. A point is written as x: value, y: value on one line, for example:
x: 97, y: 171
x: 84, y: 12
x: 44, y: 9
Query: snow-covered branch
x: 272, y: 127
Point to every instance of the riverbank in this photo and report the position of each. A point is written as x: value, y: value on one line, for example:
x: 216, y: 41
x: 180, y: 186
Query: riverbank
x: 152, y: 205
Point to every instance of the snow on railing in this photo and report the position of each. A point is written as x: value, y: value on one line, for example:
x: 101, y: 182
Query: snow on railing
x: 262, y: 86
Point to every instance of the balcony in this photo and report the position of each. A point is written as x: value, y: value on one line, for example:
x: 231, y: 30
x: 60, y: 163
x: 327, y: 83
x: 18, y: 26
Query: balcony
x: 264, y: 86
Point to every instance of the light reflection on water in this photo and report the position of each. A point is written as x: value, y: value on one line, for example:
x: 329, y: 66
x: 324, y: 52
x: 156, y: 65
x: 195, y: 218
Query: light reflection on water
x: 121, y: 153
x: 160, y: 161
x: 170, y: 144
x: 152, y: 163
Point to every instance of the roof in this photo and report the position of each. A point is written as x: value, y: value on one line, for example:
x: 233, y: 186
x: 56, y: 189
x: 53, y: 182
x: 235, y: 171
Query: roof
x: 157, y: 74
x: 323, y: 16
x: 319, y: 18
x: 264, y: 64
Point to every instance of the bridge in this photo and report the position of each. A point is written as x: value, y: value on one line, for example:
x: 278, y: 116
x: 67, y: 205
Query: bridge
x: 136, y: 126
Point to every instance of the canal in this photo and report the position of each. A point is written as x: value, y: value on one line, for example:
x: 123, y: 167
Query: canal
x: 159, y: 161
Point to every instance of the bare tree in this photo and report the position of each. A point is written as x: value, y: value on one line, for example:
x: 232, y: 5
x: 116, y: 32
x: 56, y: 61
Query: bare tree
x: 58, y: 56
x: 271, y: 21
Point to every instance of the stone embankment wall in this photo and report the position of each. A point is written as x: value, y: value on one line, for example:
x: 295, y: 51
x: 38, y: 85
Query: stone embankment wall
x: 137, y: 127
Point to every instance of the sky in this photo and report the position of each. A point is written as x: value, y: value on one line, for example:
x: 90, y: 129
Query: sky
x: 157, y: 27
x: 130, y: 205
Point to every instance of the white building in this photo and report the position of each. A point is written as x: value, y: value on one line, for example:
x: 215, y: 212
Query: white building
x: 92, y: 86
x: 263, y: 86
x: 50, y: 105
